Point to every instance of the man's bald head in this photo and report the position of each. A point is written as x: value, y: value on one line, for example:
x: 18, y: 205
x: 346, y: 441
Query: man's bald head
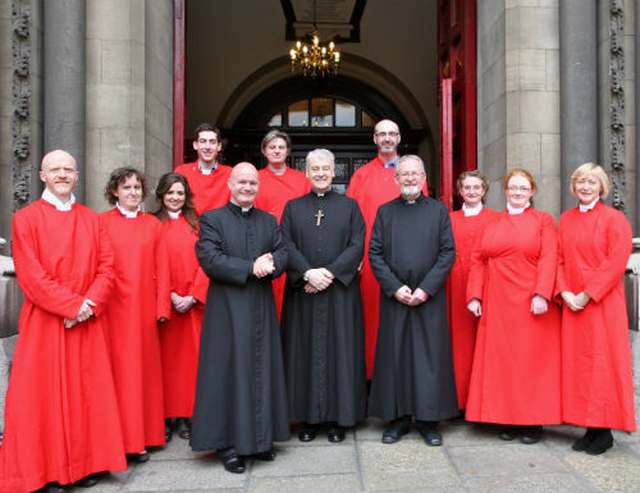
x: 386, y: 135
x: 59, y: 173
x: 243, y: 184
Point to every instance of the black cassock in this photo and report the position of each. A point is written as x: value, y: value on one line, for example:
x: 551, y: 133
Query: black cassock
x: 413, y: 374
x: 324, y: 332
x: 241, y: 398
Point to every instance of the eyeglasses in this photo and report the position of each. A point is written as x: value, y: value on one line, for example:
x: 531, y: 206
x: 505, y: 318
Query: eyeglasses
x: 382, y: 135
x: 519, y: 189
x: 410, y: 174
x: 475, y: 188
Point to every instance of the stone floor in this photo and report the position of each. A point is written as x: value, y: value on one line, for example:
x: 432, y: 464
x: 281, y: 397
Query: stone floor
x: 472, y: 459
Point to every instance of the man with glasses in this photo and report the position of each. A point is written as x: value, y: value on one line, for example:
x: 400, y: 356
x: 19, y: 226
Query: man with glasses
x: 371, y: 186
x: 207, y: 178
x: 411, y: 253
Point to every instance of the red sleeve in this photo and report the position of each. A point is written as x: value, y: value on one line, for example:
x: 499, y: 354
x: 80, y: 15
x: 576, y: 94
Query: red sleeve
x: 163, y: 275
x: 547, y: 259
x: 101, y: 287
x: 475, y: 284
x: 36, y: 283
x: 607, y: 275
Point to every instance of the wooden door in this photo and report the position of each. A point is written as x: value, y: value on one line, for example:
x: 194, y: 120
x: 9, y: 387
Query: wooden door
x: 457, y: 62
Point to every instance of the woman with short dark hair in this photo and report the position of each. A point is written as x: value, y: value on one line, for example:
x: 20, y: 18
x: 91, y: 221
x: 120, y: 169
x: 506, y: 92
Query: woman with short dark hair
x: 140, y: 300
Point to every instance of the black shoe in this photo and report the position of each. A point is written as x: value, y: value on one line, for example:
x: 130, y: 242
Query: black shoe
x: 168, y: 432
x: 138, y: 458
x: 307, y: 433
x: 268, y: 456
x: 336, y: 434
x: 432, y: 436
x: 184, y: 428
x: 396, y: 429
x: 602, y: 442
x: 509, y: 432
x: 53, y: 487
x: 234, y: 463
x: 581, y: 444
x: 531, y: 434
x: 86, y: 482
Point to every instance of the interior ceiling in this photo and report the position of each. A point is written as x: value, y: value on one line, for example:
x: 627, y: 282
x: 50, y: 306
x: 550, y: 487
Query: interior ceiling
x: 334, y: 19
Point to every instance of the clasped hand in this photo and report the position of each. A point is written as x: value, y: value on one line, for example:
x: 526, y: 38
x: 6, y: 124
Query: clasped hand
x: 263, y: 265
x: 318, y: 280
x: 182, y: 304
x: 83, y: 315
x: 411, y: 298
x: 575, y: 302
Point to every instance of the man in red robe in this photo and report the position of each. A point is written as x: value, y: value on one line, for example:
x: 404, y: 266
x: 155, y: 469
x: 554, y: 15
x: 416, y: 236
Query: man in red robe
x: 62, y: 421
x: 207, y: 178
x: 373, y: 185
x: 278, y: 185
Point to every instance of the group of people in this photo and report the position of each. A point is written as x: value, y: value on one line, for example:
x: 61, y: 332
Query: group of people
x: 255, y: 300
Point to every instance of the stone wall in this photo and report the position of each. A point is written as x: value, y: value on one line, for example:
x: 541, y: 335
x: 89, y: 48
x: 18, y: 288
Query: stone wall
x: 518, y: 95
x: 129, y: 90
x: 20, y: 32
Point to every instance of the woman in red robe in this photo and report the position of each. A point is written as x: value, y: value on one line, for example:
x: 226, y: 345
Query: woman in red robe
x: 180, y: 336
x: 139, y: 300
x: 467, y: 225
x: 515, y: 378
x: 594, y: 247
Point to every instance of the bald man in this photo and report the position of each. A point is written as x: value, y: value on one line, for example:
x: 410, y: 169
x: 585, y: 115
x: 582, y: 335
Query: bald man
x: 241, y: 401
x: 62, y: 421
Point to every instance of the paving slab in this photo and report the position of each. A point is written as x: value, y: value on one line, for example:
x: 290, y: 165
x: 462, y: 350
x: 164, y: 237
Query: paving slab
x: 334, y: 483
x: 409, y: 464
x: 614, y: 471
x: 300, y: 461
x: 560, y: 482
x: 169, y: 475
x: 502, y: 460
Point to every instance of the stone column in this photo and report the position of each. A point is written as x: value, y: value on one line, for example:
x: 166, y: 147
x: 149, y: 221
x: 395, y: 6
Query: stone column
x: 64, y: 75
x: 637, y: 114
x: 578, y: 90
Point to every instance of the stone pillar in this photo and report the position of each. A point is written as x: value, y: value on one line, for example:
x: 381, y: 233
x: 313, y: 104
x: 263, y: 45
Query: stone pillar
x: 637, y: 113
x: 578, y: 90
x: 64, y: 74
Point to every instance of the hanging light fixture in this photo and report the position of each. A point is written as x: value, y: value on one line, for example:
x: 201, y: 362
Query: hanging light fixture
x: 314, y: 59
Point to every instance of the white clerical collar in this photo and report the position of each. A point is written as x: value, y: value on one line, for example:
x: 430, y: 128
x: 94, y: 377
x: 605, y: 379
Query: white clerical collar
x: 207, y: 171
x: 126, y: 213
x: 174, y: 215
x: 246, y: 209
x: 50, y: 197
x: 588, y: 207
x: 517, y: 210
x: 472, y: 211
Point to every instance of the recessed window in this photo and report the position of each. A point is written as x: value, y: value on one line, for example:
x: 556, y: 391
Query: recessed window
x: 322, y: 112
x: 367, y: 120
x: 299, y: 114
x: 276, y: 120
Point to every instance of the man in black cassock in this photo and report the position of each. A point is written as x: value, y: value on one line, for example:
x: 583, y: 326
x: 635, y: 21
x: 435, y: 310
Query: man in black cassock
x: 241, y: 401
x: 411, y: 253
x: 322, y: 315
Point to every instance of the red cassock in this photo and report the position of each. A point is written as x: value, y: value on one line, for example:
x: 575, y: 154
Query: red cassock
x: 516, y: 366
x: 62, y: 420
x: 141, y: 296
x: 597, y: 381
x: 371, y: 186
x: 462, y: 323
x: 180, y: 336
x: 209, y: 191
x: 275, y: 191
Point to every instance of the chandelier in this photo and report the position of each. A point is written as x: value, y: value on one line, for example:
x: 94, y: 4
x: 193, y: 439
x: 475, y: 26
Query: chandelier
x: 313, y: 59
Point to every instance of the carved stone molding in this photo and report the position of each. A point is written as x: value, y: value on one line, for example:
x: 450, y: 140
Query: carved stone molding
x: 617, y: 106
x: 21, y: 168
